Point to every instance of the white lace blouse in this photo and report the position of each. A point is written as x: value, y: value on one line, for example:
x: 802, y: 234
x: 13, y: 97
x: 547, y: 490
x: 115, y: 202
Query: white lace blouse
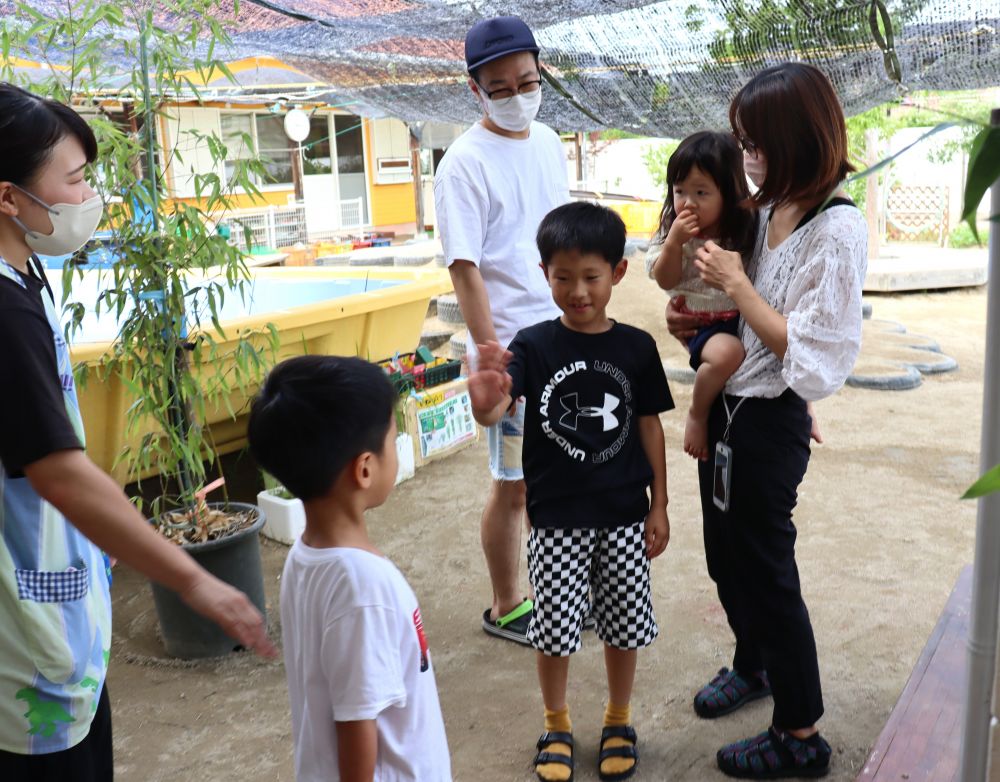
x: 814, y: 279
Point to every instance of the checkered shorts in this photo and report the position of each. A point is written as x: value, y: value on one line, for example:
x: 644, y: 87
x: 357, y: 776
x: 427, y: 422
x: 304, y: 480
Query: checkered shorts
x: 564, y: 565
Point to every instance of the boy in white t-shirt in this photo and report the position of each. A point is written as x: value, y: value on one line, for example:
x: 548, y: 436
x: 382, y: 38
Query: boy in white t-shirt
x: 360, y: 680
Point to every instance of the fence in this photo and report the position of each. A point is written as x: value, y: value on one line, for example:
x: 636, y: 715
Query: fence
x: 284, y: 226
x: 915, y: 213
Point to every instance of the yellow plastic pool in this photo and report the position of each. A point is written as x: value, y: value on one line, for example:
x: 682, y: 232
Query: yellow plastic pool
x: 373, y: 324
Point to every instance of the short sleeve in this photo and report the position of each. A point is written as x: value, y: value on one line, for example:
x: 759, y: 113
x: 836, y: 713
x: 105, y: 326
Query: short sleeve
x: 652, y: 393
x: 462, y: 209
x: 823, y: 308
x: 361, y: 664
x: 33, y: 418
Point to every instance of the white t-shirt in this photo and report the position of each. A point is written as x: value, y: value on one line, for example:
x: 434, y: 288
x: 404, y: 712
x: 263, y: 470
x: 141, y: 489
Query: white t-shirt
x: 355, y: 649
x: 490, y: 194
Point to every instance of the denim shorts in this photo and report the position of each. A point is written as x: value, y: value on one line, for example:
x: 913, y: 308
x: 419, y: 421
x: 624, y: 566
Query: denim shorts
x: 505, y: 439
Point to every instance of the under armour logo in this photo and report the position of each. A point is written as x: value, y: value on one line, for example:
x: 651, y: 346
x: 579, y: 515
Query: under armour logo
x: 571, y: 404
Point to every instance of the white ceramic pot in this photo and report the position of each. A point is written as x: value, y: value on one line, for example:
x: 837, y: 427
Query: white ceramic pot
x: 285, y: 518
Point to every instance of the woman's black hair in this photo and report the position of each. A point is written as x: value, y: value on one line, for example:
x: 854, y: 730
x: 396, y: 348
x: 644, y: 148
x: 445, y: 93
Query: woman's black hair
x: 719, y: 156
x: 30, y: 126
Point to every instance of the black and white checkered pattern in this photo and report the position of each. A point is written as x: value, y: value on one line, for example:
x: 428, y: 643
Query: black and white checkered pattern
x: 52, y: 586
x: 564, y: 565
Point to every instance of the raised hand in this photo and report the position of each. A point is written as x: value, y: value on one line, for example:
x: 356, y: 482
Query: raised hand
x: 683, y: 228
x: 719, y: 268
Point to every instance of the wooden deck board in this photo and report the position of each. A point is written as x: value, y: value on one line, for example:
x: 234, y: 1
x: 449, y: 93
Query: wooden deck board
x: 920, y: 740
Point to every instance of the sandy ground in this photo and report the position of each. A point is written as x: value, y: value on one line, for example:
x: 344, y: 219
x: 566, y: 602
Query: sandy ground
x: 882, y: 538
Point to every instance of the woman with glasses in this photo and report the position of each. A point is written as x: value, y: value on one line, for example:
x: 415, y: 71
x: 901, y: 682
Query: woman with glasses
x: 799, y: 299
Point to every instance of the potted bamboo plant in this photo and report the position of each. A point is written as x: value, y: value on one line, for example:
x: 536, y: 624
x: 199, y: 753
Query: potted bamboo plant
x: 171, y: 270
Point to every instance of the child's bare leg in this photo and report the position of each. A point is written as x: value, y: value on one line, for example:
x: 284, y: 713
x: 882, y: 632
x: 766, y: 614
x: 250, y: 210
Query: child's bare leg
x: 553, y: 674
x: 814, y: 431
x: 720, y: 357
x: 620, y: 666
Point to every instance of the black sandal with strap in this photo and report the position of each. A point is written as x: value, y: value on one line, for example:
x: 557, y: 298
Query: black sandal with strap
x: 629, y: 752
x: 546, y: 740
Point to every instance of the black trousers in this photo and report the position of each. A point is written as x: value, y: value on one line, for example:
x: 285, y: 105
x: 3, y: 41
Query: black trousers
x: 750, y: 549
x: 89, y: 761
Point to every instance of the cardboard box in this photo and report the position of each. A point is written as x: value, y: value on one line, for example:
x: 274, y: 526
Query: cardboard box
x: 439, y: 419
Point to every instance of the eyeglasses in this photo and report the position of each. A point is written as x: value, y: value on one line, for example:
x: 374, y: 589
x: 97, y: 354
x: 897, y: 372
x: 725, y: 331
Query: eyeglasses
x: 746, y: 144
x: 503, y: 96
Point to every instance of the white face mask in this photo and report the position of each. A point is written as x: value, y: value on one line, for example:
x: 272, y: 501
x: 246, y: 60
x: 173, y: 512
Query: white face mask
x: 515, y: 115
x: 72, y: 225
x: 755, y: 166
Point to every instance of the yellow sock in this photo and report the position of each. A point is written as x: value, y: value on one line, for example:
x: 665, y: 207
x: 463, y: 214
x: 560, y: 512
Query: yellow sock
x: 556, y: 722
x: 615, y: 715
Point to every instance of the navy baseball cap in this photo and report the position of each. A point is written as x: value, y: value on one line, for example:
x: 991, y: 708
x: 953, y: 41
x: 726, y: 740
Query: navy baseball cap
x: 494, y: 38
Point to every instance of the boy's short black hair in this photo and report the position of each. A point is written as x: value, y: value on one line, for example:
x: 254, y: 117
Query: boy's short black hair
x: 583, y: 227
x: 314, y: 415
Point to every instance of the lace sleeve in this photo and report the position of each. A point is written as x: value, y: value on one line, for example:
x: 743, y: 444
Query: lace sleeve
x: 823, y: 307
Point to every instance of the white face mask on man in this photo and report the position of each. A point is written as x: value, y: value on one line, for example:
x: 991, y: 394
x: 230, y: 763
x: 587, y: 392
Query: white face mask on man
x: 755, y: 166
x: 72, y: 225
x: 514, y: 114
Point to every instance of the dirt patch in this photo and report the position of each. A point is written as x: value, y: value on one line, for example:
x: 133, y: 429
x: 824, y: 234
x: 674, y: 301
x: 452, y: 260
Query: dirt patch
x: 882, y: 538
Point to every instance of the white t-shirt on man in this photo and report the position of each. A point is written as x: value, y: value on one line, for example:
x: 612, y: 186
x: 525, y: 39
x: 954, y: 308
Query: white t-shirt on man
x: 490, y: 194
x: 355, y: 649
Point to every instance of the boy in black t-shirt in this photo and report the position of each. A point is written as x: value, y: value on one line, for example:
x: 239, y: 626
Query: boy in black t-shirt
x: 593, y: 447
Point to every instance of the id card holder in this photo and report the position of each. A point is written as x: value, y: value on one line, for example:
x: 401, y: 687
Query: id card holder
x: 722, y: 476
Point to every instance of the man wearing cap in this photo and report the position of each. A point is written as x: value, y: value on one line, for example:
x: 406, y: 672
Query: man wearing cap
x: 492, y: 189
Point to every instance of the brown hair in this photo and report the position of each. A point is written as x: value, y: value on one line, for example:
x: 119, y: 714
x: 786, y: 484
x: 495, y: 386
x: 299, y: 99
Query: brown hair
x: 791, y: 113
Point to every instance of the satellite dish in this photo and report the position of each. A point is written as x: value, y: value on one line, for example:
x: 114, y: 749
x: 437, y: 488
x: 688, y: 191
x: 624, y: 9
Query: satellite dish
x: 297, y: 125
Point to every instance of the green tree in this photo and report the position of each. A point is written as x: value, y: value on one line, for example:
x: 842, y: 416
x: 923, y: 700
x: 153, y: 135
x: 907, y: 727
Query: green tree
x: 656, y: 159
x: 173, y: 271
x: 757, y: 30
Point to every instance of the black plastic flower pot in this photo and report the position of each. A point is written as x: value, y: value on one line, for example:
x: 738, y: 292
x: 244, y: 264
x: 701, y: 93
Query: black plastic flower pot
x: 234, y: 559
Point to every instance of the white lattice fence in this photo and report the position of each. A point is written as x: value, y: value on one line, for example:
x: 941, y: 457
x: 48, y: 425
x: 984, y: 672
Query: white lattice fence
x: 916, y: 213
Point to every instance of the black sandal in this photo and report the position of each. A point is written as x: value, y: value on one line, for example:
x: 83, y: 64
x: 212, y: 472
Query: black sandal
x: 546, y: 740
x: 729, y: 691
x: 626, y: 732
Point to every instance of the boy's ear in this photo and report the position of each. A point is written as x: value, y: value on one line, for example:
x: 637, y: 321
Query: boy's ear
x: 619, y: 272
x: 361, y: 470
x: 545, y: 270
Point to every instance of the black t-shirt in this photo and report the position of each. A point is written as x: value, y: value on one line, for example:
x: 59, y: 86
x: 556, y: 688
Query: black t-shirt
x: 33, y: 417
x: 584, y: 465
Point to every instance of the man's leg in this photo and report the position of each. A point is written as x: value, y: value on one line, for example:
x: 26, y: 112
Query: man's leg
x: 500, y: 530
x: 500, y: 533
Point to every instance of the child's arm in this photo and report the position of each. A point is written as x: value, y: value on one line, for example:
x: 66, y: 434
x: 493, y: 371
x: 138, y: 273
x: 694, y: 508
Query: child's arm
x: 667, y: 268
x: 357, y: 748
x: 489, y: 385
x: 657, y: 523
x: 814, y: 431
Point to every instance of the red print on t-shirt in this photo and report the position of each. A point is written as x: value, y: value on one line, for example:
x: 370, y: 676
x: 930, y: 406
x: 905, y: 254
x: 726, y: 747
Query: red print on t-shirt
x: 422, y: 639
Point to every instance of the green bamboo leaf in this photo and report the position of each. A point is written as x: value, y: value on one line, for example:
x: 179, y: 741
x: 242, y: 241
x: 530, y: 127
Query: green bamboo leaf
x: 984, y: 170
x: 987, y: 484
